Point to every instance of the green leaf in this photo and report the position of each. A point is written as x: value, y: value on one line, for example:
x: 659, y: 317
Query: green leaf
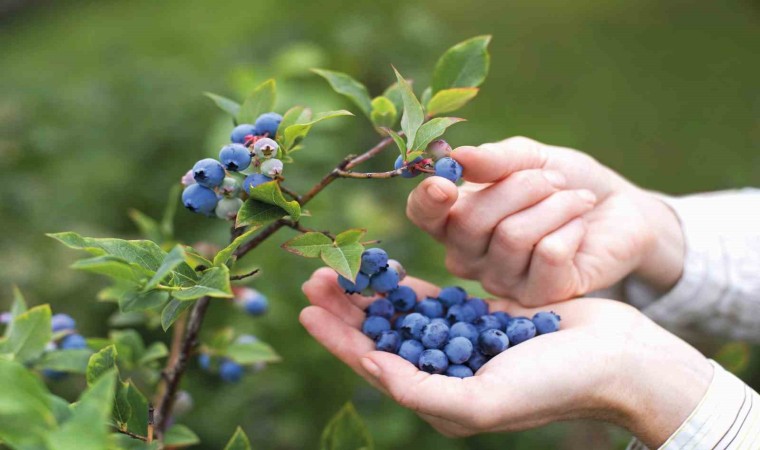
x: 100, y: 363
x: 413, y: 115
x: 29, y: 334
x: 393, y: 93
x: 60, y: 407
x: 256, y: 213
x: 289, y: 118
x: 425, y: 97
x: 239, y: 441
x: 25, y: 407
x: 167, y: 221
x: 148, y: 227
x: 449, y: 100
x: 346, y: 431
x: 112, y: 267
x: 215, y: 282
x: 157, y: 350
x: 463, y: 65
x: 270, y: 193
x: 146, y: 254
x: 295, y: 133
x: 71, y: 361
x: 399, y: 141
x: 431, y: 130
x: 259, y: 102
x: 345, y: 259
x: 142, y: 301
x: 345, y: 85
x: 308, y: 245
x: 221, y: 340
x: 350, y: 236
x: 18, y: 308
x: 129, y: 346
x: 231, y: 107
x: 122, y: 410
x: 123, y: 442
x: 225, y: 254
x: 172, y: 311
x: 180, y: 436
x: 138, y: 404
x: 384, y: 113
x: 175, y: 257
x: 252, y: 353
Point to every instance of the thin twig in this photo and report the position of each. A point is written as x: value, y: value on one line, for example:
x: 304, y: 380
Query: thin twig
x: 302, y: 229
x: 131, y: 434
x: 367, y: 175
x: 244, y: 275
x: 291, y: 193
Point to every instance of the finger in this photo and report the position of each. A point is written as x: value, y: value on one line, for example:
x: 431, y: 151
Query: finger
x: 446, y: 427
x: 493, y: 162
x: 322, y: 290
x: 553, y: 274
x: 429, y: 203
x: 513, y: 239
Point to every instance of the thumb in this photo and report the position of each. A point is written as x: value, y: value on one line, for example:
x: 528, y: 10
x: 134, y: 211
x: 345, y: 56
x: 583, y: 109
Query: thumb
x: 490, y: 163
x: 429, y: 204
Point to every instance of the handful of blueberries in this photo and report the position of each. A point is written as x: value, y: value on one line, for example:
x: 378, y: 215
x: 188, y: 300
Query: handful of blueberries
x: 451, y: 334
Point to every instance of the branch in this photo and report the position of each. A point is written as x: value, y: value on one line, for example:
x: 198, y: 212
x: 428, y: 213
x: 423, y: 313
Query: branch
x: 244, y: 276
x: 132, y: 435
x: 302, y: 229
x: 368, y: 175
x: 291, y: 193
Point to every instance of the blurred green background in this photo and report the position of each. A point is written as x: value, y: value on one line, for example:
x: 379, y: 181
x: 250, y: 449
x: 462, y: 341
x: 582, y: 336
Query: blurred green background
x: 101, y: 111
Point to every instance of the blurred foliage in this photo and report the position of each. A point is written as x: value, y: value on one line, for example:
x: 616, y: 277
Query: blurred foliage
x: 101, y: 111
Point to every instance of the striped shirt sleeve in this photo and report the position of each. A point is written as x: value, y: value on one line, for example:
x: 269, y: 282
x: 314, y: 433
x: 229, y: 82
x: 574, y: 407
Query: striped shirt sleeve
x: 727, y: 418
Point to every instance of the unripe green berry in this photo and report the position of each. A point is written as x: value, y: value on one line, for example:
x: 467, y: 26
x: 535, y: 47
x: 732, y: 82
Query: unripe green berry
x: 265, y: 148
x: 230, y: 187
x: 227, y: 208
x: 439, y: 149
x: 271, y: 167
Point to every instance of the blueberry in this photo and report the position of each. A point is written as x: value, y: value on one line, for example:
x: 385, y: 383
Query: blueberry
x: 465, y: 330
x: 459, y: 371
x: 503, y: 318
x: 399, y: 321
x: 411, y: 350
x: 227, y: 208
x: 199, y: 199
x: 230, y: 187
x: 487, y: 322
x: 235, y: 157
x: 403, y: 298
x: 546, y: 322
x: 251, y: 301
x: 60, y: 322
x: 361, y: 283
x: 434, y: 335
x: 395, y: 265
x: 458, y: 350
x: 408, y: 172
x: 381, y: 307
x: 412, y: 326
x: 183, y: 403
x: 461, y: 313
x: 477, y: 360
x: 267, y: 124
x: 452, y: 295
x: 54, y: 375
x: 272, y: 167
x: 208, y: 172
x: 373, y: 260
x: 384, y: 281
x: 439, y: 149
x: 520, y: 329
x: 253, y: 180
x: 204, y: 360
x: 374, y: 325
x: 187, y: 179
x: 479, y: 305
x: 230, y: 371
x: 493, y: 342
x: 265, y: 148
x: 433, y: 361
x: 440, y: 320
x: 388, y: 341
x: 73, y: 342
x: 449, y: 169
x: 241, y: 131
x: 430, y: 307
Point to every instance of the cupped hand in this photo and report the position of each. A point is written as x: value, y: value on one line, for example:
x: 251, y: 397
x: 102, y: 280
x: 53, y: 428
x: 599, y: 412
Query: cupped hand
x: 540, y: 223
x: 607, y: 362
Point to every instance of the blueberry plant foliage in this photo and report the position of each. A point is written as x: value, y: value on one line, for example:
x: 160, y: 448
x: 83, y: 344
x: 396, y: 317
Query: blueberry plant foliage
x: 133, y: 398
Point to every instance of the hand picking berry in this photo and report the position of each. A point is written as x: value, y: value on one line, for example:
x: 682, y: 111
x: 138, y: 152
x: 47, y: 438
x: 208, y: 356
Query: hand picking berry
x: 448, y: 168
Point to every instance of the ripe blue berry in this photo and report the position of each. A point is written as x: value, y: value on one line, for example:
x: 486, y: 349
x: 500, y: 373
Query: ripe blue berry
x: 395, y: 265
x: 388, y: 341
x: 384, y: 281
x: 465, y: 330
x: 403, y: 298
x: 461, y: 313
x: 439, y: 149
x: 492, y: 342
x: 73, y: 342
x: 373, y: 260
x: 433, y: 361
x: 253, y: 180
x: 204, y: 360
x: 452, y: 295
x: 373, y: 326
x: 449, y: 169
x: 235, y: 157
x: 459, y: 371
x: 267, y: 124
x: 54, y: 375
x: 434, y: 335
x: 439, y: 320
x: 458, y: 350
x: 412, y: 326
x: 241, y: 131
x: 546, y: 322
x: 408, y: 172
x: 503, y: 318
x: 227, y: 208
x: 479, y: 305
x: 487, y: 322
x: 208, y: 172
x: 477, y: 360
x: 252, y: 301
x: 520, y: 329
x: 411, y: 350
x: 430, y: 307
x: 381, y: 307
x: 60, y: 322
x: 272, y: 167
x: 399, y: 321
x: 265, y: 148
x: 362, y: 283
x: 230, y: 371
x: 199, y: 199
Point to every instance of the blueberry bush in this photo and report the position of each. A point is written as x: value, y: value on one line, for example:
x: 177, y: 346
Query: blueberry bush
x: 133, y: 398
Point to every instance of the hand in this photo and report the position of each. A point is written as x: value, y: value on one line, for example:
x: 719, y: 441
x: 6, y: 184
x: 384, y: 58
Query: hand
x: 607, y: 362
x: 539, y: 223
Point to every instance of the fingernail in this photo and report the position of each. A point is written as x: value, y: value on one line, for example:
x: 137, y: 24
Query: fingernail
x: 371, y: 367
x: 436, y: 193
x: 555, y: 178
x: 587, y: 195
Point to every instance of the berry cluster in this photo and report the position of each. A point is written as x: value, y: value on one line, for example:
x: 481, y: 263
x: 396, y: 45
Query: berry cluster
x: 229, y: 370
x: 65, y: 337
x: 438, y: 161
x: 452, y: 334
x: 211, y: 187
